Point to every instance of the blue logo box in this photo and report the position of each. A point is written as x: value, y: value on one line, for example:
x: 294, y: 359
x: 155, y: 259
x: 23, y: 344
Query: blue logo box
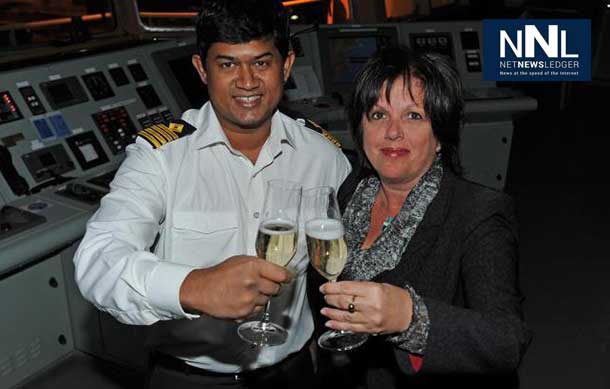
x: 537, y: 49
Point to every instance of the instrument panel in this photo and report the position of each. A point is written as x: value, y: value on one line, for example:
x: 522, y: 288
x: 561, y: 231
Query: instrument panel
x: 77, y: 117
x: 64, y: 127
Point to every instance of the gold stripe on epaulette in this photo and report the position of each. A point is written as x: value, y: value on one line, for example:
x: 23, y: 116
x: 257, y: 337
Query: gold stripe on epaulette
x: 158, y: 137
x: 159, y: 133
x: 151, y: 139
x: 164, y: 128
x: 165, y: 131
x: 331, y: 138
x: 173, y: 133
x: 325, y: 133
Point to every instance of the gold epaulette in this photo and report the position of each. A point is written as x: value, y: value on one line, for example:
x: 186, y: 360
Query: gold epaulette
x: 160, y: 134
x: 325, y: 133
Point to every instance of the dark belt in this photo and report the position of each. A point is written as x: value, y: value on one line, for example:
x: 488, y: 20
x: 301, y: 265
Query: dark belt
x: 176, y: 364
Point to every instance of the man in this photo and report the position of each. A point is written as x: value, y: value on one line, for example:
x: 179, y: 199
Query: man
x: 175, y: 237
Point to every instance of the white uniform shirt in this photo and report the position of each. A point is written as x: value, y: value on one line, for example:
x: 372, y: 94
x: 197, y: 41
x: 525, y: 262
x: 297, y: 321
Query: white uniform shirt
x: 204, y: 198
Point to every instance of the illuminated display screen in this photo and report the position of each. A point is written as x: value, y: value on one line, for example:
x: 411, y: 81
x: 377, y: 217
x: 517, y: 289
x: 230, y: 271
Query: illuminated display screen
x: 348, y: 56
x: 344, y: 51
x: 87, y: 150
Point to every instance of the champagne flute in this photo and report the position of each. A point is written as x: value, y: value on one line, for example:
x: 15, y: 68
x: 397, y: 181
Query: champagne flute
x: 328, y: 254
x: 276, y: 242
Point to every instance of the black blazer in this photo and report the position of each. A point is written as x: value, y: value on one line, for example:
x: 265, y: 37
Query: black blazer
x: 463, y: 260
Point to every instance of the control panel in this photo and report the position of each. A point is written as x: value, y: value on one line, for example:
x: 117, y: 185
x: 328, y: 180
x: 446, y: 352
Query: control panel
x: 75, y: 118
x: 462, y: 41
x: 64, y: 127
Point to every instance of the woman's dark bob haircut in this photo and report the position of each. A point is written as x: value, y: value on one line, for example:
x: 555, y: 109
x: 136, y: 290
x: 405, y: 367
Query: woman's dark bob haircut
x: 443, y: 100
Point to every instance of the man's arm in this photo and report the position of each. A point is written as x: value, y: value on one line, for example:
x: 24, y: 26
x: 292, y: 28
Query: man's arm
x: 116, y: 271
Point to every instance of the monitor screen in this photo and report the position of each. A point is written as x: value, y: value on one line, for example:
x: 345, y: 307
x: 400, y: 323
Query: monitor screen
x: 60, y: 93
x: 195, y: 90
x: 47, y: 159
x: 175, y: 64
x: 348, y: 55
x: 344, y: 50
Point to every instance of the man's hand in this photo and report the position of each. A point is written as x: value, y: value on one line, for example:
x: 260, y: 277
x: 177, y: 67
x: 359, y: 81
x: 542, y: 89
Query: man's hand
x: 233, y: 289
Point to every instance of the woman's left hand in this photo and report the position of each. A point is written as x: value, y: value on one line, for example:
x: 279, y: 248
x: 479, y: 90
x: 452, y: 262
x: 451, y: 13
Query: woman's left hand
x: 377, y: 308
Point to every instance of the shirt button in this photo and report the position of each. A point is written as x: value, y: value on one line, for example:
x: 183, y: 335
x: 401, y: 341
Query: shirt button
x: 256, y: 215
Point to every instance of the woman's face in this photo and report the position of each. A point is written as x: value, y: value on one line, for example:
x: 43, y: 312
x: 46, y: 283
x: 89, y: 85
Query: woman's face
x: 397, y: 135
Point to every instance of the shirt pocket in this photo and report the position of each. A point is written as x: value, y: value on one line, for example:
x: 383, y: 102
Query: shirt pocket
x: 204, y: 239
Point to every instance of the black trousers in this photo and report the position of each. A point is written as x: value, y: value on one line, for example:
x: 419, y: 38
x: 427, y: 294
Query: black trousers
x: 295, y: 371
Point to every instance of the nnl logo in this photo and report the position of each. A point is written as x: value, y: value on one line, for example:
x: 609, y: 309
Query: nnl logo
x: 537, y: 49
x: 550, y: 46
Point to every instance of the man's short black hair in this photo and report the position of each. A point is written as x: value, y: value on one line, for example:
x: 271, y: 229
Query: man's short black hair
x: 241, y: 21
x: 443, y: 99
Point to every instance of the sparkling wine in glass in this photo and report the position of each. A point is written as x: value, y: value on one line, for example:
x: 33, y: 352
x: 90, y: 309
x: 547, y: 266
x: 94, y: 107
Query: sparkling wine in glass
x: 328, y: 253
x: 276, y: 242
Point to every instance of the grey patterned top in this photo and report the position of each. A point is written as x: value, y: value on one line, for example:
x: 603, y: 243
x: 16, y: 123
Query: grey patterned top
x: 388, y: 249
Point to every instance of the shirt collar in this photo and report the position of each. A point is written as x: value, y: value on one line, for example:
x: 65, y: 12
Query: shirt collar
x: 211, y: 133
x: 279, y: 132
x: 208, y: 128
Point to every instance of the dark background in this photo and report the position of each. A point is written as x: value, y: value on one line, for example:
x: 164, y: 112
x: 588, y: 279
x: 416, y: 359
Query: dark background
x: 558, y: 175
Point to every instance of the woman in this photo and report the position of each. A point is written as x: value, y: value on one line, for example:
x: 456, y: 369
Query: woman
x: 433, y: 258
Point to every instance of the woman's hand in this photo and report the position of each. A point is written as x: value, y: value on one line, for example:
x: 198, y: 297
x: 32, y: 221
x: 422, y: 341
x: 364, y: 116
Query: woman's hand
x: 377, y: 308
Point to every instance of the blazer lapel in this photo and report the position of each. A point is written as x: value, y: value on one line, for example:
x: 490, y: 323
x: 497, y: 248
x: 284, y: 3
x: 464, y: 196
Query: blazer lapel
x: 426, y: 235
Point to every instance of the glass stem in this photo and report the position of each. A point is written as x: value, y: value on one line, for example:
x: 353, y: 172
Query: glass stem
x: 265, y: 318
x: 335, y: 331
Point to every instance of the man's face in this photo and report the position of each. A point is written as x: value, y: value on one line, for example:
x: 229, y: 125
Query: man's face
x: 245, y: 83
